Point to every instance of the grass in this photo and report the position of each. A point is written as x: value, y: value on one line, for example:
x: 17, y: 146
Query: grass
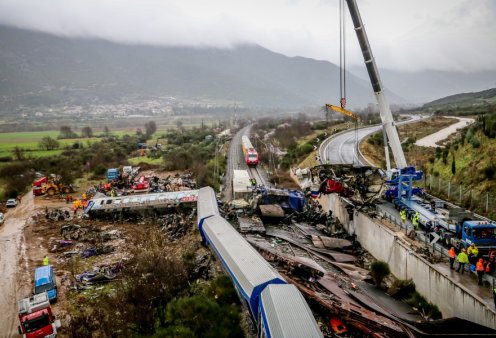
x: 28, y: 141
x: 144, y: 159
x: 414, y: 154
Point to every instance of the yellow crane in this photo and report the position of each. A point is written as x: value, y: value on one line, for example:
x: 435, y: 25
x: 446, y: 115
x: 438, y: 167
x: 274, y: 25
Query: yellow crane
x: 329, y: 107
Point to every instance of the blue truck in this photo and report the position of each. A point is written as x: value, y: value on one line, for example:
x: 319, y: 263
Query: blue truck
x: 456, y: 226
x: 113, y: 174
x: 44, y: 281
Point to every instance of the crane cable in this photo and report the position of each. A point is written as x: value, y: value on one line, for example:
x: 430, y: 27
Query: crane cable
x: 342, y: 55
x: 342, y: 69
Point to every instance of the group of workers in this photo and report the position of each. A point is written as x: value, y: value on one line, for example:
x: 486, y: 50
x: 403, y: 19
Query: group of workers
x: 77, y: 203
x: 415, y: 221
x: 471, y: 256
x: 464, y: 257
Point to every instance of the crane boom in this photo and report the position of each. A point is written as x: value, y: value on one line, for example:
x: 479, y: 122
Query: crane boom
x: 384, y: 109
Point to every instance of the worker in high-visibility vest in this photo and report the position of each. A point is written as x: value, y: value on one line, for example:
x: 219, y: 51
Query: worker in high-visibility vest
x: 45, y: 260
x: 479, y: 267
x: 415, y: 220
x: 494, y: 295
x: 473, y: 253
x: 403, y: 216
x: 462, y: 260
x: 452, y: 256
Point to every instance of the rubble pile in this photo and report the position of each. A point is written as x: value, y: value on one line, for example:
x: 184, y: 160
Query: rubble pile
x: 57, y: 214
x: 127, y: 184
x: 176, y: 225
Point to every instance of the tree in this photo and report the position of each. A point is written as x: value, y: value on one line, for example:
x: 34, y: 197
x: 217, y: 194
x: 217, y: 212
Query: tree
x: 379, y: 270
x: 86, y: 132
x: 18, y: 153
x: 150, y: 128
x: 453, y: 165
x: 106, y: 131
x: 179, y: 124
x: 48, y: 143
x: 66, y: 132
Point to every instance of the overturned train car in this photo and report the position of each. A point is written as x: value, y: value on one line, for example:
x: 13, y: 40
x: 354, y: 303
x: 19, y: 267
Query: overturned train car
x: 278, y: 309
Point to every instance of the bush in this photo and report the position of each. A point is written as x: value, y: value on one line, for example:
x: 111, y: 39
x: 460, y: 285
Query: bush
x: 199, y: 316
x: 427, y: 309
x: 475, y: 143
x: 379, y: 270
x: 402, y: 289
x: 489, y: 171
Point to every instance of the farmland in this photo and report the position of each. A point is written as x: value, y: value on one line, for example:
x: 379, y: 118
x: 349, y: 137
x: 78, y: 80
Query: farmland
x: 29, y: 142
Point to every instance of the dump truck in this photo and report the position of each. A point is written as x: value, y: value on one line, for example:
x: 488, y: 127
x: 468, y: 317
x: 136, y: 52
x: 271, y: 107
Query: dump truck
x: 36, y: 318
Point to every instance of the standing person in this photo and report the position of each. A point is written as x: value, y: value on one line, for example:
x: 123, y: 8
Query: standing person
x: 452, y: 256
x: 415, y: 221
x: 45, y: 260
x: 462, y: 260
x: 473, y: 253
x: 403, y: 216
x: 480, y: 270
x: 494, y: 295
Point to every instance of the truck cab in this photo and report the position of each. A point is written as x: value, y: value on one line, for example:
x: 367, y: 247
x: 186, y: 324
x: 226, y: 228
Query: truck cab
x: 481, y: 233
x: 44, y: 281
x: 36, y: 318
x: 113, y: 174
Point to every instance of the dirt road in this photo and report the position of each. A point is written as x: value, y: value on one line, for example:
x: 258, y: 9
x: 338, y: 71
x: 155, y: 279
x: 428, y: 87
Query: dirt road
x: 13, y: 261
x: 433, y: 139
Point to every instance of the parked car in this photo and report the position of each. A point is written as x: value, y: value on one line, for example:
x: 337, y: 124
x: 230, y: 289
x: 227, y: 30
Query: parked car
x: 11, y: 203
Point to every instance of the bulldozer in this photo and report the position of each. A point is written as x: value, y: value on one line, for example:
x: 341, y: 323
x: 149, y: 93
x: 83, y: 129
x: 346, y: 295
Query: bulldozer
x: 53, y: 189
x: 52, y: 186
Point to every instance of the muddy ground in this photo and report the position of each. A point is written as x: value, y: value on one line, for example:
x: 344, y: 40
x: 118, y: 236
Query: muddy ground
x: 27, y: 236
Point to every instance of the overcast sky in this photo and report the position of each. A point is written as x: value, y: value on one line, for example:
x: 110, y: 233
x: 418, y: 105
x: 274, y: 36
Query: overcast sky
x: 406, y: 35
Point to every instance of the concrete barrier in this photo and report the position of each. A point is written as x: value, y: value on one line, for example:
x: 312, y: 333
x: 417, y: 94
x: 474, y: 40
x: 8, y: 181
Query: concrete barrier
x: 453, y: 300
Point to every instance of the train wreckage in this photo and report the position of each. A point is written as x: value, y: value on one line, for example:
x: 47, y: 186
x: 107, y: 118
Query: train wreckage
x: 360, y: 184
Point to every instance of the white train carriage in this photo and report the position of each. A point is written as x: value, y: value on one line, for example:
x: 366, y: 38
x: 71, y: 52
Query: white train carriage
x: 207, y: 206
x: 284, y: 313
x: 249, y: 271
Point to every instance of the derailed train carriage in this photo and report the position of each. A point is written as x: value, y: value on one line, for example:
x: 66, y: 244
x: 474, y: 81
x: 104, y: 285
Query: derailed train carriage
x: 274, y: 305
x: 140, y: 205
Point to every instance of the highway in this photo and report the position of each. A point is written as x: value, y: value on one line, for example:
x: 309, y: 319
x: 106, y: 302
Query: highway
x: 342, y: 147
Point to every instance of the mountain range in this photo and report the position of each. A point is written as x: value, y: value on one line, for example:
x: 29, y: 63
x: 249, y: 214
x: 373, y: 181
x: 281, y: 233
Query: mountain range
x: 41, y: 69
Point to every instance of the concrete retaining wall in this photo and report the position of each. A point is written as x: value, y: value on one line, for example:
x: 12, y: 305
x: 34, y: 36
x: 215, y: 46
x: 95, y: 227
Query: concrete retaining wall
x: 453, y: 300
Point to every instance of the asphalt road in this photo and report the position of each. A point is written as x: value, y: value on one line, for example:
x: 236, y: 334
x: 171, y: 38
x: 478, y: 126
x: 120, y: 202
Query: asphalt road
x: 342, y: 148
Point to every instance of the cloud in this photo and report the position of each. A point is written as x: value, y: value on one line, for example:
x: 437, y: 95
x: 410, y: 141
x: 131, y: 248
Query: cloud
x: 422, y: 34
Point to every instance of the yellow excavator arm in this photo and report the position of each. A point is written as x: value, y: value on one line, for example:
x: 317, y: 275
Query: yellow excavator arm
x: 342, y: 111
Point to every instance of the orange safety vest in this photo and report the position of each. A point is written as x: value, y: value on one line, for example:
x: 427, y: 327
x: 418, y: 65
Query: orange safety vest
x: 452, y: 253
x: 479, y: 266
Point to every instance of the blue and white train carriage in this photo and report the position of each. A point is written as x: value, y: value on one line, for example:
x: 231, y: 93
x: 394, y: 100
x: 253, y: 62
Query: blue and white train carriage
x: 206, y: 206
x: 247, y: 268
x: 283, y: 312
x: 278, y: 309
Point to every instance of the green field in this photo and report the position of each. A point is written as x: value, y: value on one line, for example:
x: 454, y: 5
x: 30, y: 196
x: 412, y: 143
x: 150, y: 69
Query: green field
x: 28, y: 141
